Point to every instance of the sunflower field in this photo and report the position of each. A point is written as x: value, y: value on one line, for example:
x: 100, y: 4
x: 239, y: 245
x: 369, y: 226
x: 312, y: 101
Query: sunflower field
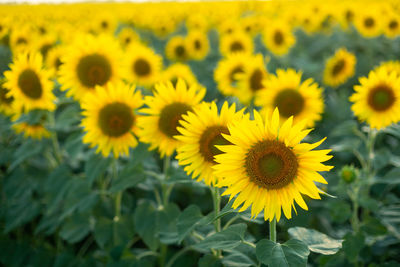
x: 178, y: 134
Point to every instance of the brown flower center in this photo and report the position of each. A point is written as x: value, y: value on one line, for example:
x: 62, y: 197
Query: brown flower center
x: 270, y: 164
x: 236, y: 46
x: 369, y: 22
x: 256, y: 79
x: 236, y: 70
x: 45, y: 49
x: 197, y: 44
x: 393, y: 25
x: 170, y: 116
x: 116, y: 119
x: 338, y: 67
x: 29, y: 83
x: 278, y: 38
x: 211, y: 137
x: 180, y: 51
x: 94, y: 70
x: 289, y: 102
x: 141, y: 67
x: 381, y: 97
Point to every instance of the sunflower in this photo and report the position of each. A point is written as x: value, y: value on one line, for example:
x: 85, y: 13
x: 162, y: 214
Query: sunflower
x: 110, y: 120
x: 236, y: 42
x: 6, y: 101
x: 389, y: 66
x: 377, y: 99
x: 285, y: 91
x: 104, y: 23
x: 53, y: 59
x: 339, y: 68
x: 392, y: 25
x: 88, y: 62
x: 268, y: 167
x: 29, y: 83
x: 164, y: 110
x: 201, y: 130
x: 143, y: 65
x: 251, y: 80
x: 278, y: 38
x: 227, y: 69
x: 21, y: 40
x: 128, y: 36
x: 176, y: 49
x: 197, y: 45
x: 34, y: 131
x: 179, y: 71
x: 368, y: 23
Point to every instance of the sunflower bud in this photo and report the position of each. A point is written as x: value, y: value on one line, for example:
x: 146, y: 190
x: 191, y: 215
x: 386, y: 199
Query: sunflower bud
x: 349, y: 173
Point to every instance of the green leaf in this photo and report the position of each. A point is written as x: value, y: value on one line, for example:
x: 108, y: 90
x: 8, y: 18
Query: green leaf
x: 146, y: 224
x: 317, y: 242
x: 352, y: 245
x: 168, y: 217
x: 128, y: 177
x: 109, y: 233
x: 341, y: 211
x: 229, y: 238
x: 188, y: 220
x: 373, y: 226
x: 75, y: 228
x: 237, y: 259
x: 96, y: 166
x: 209, y: 260
x: 292, y: 253
x: 27, y: 150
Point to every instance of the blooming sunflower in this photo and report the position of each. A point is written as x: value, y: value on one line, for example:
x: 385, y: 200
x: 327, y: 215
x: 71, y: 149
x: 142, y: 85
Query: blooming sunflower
x: 197, y: 45
x: 389, y: 66
x: 21, y: 39
x: 392, y: 25
x: 110, y: 120
x: 34, y: 131
x: 164, y: 110
x: 236, y: 42
x: 143, y: 65
x: 53, y: 59
x: 179, y: 71
x: 339, y: 68
x: 128, y: 36
x: 5, y: 100
x: 176, y: 49
x: 88, y: 62
x: 377, y: 99
x: 268, y: 167
x: 251, y: 80
x: 29, y: 83
x: 368, y: 23
x: 201, y: 130
x: 285, y: 91
x: 278, y: 38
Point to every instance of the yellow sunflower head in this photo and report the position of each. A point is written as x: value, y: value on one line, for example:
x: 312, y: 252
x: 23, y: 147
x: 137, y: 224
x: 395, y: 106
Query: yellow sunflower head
x: 21, y: 39
x: 110, y: 119
x: 286, y: 91
x: 227, y: 70
x: 128, y: 36
x: 178, y: 71
x: 197, y: 44
x: 163, y: 113
x: 390, y: 66
x: 250, y: 81
x: 143, y: 65
x: 377, y: 99
x: 268, y: 167
x: 237, y: 42
x: 201, y: 131
x: 369, y: 23
x: 53, y: 59
x: 339, y: 68
x: 176, y: 49
x: 88, y: 62
x: 34, y: 131
x: 392, y: 25
x: 278, y: 38
x: 29, y: 83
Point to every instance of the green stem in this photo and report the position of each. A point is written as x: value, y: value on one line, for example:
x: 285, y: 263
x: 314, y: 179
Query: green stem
x: 249, y: 243
x: 354, y: 220
x: 166, y: 191
x: 272, y: 230
x: 369, y: 171
x: 251, y: 108
x: 118, y: 199
x: 217, y: 207
x: 54, y: 139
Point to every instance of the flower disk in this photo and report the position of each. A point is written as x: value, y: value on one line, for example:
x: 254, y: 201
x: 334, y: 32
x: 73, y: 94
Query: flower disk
x: 201, y: 132
x: 267, y: 167
x: 164, y: 112
x: 339, y: 68
x: 110, y: 119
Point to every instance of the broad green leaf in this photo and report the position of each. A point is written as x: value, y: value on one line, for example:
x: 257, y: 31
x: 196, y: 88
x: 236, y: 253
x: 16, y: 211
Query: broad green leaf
x: 237, y: 259
x: 188, y: 220
x: 128, y: 177
x: 27, y: 150
x: 109, y: 233
x: 209, y: 260
x: 229, y: 238
x: 75, y: 228
x: 352, y: 245
x: 95, y: 166
x: 168, y: 217
x: 340, y: 212
x: 146, y: 224
x: 293, y: 253
x: 317, y: 242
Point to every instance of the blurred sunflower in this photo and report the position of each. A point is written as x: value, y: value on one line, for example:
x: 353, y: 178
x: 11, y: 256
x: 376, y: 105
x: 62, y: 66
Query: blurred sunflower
x: 44, y: 44
x: 268, y: 167
x: 128, y: 36
x: 21, y: 40
x: 197, y: 45
x: 392, y: 25
x: 390, y: 66
x: 250, y: 81
x: 227, y: 69
x: 285, y: 91
x: 104, y: 23
x: 178, y: 71
x: 143, y: 65
x: 110, y: 119
x: 53, y: 59
x: 368, y: 23
x: 201, y: 130
x: 176, y: 49
x: 164, y: 110
x: 278, y: 38
x: 88, y: 62
x: 339, y: 68
x: 34, y: 131
x: 5, y: 100
x: 377, y: 99
x: 29, y: 83
x: 236, y: 42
